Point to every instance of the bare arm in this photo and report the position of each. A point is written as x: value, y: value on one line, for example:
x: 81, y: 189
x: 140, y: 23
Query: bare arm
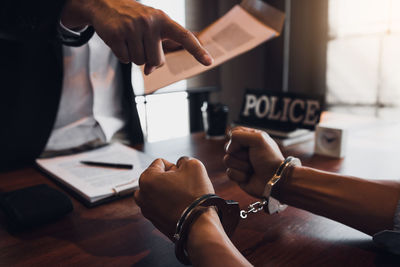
x: 368, y: 206
x: 208, y: 245
x: 166, y: 190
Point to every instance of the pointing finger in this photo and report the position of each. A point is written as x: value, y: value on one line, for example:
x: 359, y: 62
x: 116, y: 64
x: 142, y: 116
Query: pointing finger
x: 177, y: 33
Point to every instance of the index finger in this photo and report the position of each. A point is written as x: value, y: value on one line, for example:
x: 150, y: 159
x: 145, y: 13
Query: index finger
x: 174, y: 31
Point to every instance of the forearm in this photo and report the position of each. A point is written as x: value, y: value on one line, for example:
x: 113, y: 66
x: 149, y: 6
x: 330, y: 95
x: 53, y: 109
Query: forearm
x: 368, y: 206
x: 208, y: 245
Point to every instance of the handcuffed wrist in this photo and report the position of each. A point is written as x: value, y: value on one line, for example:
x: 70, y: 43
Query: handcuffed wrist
x: 203, y: 229
x: 272, y: 204
x: 228, y: 212
x: 279, y: 188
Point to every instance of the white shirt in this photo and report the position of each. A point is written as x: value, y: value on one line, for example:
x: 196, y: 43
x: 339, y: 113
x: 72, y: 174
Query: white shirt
x: 90, y: 106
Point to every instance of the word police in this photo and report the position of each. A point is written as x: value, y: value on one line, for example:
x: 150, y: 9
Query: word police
x: 298, y: 111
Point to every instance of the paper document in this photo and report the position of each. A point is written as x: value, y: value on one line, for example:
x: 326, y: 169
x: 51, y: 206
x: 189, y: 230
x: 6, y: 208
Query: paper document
x: 95, y: 183
x: 243, y: 28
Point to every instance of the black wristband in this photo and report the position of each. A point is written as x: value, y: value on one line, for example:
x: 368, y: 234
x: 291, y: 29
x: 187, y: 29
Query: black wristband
x: 72, y: 40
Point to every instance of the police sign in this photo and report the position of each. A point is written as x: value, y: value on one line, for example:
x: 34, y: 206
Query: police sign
x: 283, y: 111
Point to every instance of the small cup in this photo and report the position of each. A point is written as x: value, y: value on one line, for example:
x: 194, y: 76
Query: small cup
x: 215, y: 118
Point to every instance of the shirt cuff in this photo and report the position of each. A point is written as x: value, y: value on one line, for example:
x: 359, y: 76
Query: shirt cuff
x: 390, y: 239
x: 76, y: 33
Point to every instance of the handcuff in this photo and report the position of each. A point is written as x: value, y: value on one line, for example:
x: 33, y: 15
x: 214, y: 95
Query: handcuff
x: 269, y: 204
x: 228, y: 210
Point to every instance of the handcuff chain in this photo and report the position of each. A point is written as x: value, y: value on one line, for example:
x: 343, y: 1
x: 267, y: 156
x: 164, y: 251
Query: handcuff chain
x: 253, y: 208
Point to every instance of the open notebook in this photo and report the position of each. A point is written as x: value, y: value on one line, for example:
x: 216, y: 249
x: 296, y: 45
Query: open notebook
x: 93, y: 184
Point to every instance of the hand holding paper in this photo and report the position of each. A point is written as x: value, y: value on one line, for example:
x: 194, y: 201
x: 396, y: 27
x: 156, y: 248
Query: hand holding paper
x: 243, y: 28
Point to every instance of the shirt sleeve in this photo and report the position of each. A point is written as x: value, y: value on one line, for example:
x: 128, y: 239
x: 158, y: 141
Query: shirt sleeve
x: 390, y: 239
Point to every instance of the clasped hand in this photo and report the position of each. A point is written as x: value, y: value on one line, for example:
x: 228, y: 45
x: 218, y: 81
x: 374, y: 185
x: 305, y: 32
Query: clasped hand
x: 167, y: 189
x: 252, y: 157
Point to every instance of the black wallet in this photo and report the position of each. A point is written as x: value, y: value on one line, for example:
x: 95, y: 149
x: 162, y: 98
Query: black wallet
x: 33, y: 206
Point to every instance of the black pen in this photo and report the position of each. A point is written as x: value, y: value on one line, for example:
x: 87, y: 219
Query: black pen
x: 107, y: 164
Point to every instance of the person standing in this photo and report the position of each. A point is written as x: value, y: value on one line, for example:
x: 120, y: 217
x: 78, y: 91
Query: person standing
x: 40, y: 72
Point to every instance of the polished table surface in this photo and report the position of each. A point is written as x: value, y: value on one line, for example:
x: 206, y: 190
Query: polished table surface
x: 116, y: 234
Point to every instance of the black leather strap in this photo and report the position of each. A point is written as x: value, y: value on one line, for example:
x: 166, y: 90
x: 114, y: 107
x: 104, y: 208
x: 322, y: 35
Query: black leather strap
x: 72, y: 40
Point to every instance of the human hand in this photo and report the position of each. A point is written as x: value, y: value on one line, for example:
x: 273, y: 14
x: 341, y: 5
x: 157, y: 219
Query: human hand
x: 133, y: 31
x: 172, y: 46
x: 167, y: 189
x: 251, y: 158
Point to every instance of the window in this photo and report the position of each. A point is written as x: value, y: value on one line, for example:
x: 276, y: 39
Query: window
x: 363, y: 60
x: 165, y: 114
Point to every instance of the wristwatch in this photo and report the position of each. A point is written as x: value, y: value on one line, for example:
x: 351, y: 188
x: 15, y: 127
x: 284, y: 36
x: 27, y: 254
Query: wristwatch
x: 273, y: 205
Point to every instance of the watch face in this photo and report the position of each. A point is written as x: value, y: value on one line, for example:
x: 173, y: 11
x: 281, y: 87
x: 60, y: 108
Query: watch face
x: 329, y: 140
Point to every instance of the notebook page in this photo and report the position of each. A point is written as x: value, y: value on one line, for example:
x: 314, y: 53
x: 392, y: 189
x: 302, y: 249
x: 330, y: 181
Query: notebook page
x: 94, y: 182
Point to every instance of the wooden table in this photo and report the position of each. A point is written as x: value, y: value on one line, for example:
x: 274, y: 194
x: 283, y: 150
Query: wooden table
x: 116, y: 234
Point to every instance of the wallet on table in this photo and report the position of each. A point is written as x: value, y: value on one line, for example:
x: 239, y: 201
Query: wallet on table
x: 33, y: 206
